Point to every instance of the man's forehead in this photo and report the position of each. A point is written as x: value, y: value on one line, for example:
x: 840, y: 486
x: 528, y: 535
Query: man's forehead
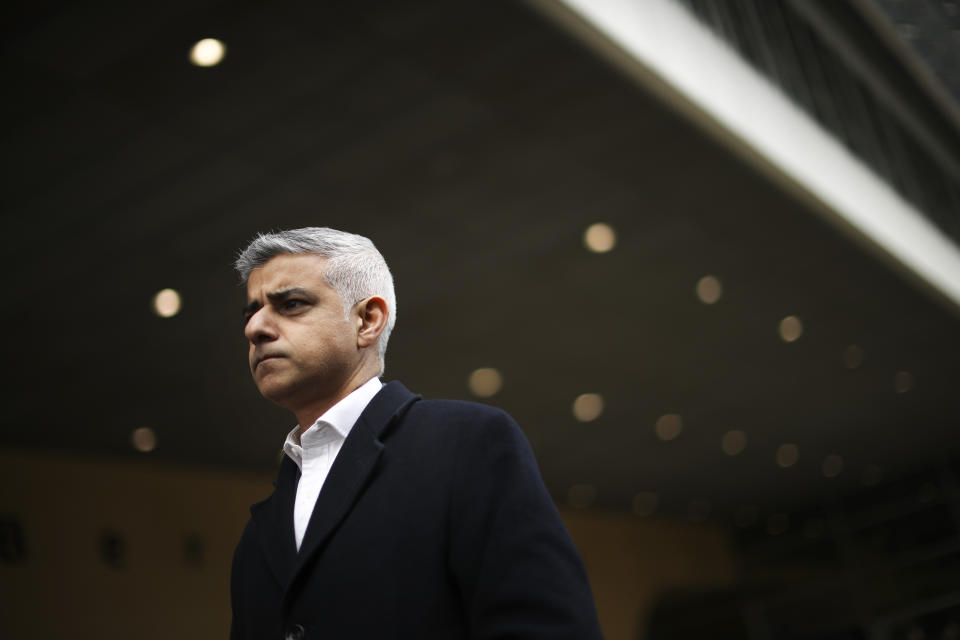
x: 283, y: 272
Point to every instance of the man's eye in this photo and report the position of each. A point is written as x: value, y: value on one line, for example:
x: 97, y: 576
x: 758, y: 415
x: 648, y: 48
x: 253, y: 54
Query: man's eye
x: 289, y: 305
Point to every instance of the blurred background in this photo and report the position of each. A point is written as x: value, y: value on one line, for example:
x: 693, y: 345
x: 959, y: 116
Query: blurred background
x: 704, y: 251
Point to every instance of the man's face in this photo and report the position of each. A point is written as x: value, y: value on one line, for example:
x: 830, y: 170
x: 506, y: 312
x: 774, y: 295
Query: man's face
x: 302, y: 347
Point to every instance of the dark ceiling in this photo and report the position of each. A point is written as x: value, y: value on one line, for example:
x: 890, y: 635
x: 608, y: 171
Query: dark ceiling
x: 474, y: 142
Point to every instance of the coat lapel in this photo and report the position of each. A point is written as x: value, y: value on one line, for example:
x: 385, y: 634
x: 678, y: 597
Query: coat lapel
x: 353, y: 466
x: 273, y: 522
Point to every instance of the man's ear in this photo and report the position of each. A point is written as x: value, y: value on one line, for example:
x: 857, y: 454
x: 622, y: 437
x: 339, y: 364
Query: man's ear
x: 371, y: 320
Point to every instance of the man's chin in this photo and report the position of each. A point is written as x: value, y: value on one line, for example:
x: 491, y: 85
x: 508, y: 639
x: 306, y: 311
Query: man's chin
x: 275, y: 391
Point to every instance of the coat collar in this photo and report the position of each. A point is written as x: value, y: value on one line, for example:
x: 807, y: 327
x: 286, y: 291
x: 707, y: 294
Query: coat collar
x: 273, y: 518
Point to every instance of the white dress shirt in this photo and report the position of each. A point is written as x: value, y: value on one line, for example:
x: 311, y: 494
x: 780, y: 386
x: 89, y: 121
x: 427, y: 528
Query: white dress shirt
x: 315, y: 451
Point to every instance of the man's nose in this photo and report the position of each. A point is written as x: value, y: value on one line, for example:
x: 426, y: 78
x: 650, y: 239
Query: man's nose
x: 259, y: 328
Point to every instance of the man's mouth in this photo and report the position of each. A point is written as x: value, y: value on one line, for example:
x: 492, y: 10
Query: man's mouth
x: 263, y: 358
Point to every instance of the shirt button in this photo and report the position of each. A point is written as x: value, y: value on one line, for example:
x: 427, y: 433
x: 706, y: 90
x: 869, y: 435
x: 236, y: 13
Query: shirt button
x: 296, y: 632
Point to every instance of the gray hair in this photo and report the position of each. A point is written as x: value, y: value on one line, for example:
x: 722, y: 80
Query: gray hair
x: 354, y: 267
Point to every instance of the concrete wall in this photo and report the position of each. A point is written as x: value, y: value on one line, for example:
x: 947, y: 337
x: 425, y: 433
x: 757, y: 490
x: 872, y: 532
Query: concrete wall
x: 165, y: 589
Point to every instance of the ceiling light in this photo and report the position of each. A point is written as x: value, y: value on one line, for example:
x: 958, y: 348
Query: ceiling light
x: 791, y: 329
x: 166, y: 303
x: 207, y: 52
x: 669, y: 426
x: 733, y: 442
x: 485, y: 382
x: 903, y: 381
x: 787, y: 455
x: 582, y: 496
x: 709, y: 289
x: 599, y: 237
x: 832, y: 465
x: 852, y: 357
x: 588, y: 407
x: 645, y: 503
x: 143, y: 439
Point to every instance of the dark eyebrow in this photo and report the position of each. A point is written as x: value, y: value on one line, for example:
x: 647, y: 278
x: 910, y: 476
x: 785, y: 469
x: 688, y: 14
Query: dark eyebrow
x: 276, y: 297
x: 280, y: 296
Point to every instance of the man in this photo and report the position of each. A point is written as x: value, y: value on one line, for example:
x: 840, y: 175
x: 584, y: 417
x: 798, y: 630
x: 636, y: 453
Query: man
x: 393, y: 516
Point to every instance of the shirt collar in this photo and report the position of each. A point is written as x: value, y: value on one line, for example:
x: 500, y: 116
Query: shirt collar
x: 340, y: 417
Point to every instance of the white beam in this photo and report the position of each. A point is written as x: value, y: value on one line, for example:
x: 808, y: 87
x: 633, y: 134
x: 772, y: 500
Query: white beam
x: 665, y: 44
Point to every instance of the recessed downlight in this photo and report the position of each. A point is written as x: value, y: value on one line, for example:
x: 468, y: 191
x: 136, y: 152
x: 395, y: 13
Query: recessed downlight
x: 733, y: 442
x: 587, y: 407
x: 143, y: 439
x: 485, y: 382
x: 709, y: 289
x: 832, y: 466
x: 207, y: 52
x: 787, y: 455
x: 791, y: 329
x: 903, y: 381
x: 669, y: 426
x: 599, y: 237
x: 167, y: 303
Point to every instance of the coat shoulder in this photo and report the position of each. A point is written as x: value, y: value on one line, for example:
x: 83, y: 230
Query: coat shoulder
x: 459, y: 409
x: 469, y: 427
x: 462, y: 415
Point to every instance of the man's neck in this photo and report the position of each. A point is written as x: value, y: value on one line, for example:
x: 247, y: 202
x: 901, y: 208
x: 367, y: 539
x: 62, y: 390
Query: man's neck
x: 308, y: 414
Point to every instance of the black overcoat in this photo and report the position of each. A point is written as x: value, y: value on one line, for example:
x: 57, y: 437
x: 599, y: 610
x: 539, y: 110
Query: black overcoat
x: 433, y: 523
